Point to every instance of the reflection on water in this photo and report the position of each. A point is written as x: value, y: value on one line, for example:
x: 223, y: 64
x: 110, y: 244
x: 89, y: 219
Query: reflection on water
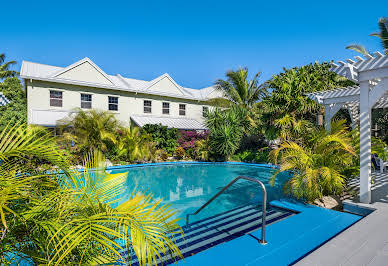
x: 188, y: 186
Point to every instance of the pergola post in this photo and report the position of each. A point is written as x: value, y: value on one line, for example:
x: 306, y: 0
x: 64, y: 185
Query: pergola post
x: 330, y: 111
x: 371, y: 72
x: 365, y: 143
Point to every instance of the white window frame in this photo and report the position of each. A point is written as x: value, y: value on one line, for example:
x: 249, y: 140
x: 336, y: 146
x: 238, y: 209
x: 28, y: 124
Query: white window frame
x: 86, y: 102
x: 182, y: 111
x: 150, y: 107
x: 58, y: 99
x: 111, y: 103
x: 165, y: 110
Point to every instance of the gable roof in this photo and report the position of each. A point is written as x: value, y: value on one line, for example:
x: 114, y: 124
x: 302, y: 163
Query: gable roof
x: 37, y: 71
x: 77, y: 64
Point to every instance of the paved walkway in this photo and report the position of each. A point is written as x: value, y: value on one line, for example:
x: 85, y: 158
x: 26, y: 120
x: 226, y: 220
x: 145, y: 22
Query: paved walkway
x: 364, y: 243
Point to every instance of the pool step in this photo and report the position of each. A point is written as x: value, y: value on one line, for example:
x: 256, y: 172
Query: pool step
x: 217, y: 229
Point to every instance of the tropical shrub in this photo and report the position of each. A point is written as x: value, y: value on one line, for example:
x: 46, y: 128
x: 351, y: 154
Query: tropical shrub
x: 188, y: 138
x: 16, y: 110
x: 180, y: 153
x: 162, y: 155
x: 244, y: 156
x: 262, y: 154
x: 226, y: 129
x: 89, y: 130
x: 73, y: 217
x: 318, y: 162
x: 380, y: 148
x: 135, y: 144
x: 202, y: 150
x: 287, y: 111
x: 164, y: 137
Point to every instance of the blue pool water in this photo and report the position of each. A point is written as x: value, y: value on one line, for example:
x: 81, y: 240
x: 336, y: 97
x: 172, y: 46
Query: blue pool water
x: 188, y: 186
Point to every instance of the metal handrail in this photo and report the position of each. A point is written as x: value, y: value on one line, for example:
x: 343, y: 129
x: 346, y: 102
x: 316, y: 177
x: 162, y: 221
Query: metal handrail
x: 262, y: 241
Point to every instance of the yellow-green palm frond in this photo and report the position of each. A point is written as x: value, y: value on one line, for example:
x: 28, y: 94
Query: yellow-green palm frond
x: 21, y: 142
x: 142, y: 225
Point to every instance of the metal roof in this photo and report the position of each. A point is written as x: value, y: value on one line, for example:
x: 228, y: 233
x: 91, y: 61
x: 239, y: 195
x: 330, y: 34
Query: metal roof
x: 170, y: 122
x: 3, y: 100
x: 36, y: 71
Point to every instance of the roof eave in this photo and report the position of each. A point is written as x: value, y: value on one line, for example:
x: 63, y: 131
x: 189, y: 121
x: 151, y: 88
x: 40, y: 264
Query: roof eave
x: 97, y: 85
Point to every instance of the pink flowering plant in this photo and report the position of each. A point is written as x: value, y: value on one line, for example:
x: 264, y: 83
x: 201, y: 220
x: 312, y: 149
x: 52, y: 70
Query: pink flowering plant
x: 188, y: 138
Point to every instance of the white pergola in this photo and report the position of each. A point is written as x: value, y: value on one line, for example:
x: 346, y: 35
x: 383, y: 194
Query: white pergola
x: 371, y: 73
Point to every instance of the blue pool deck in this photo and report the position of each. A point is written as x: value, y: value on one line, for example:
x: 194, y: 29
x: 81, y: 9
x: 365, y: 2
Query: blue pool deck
x: 289, y: 240
x: 366, y: 242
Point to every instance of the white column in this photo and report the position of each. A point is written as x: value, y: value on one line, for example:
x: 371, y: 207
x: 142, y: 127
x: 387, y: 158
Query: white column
x: 330, y: 111
x: 365, y: 143
x: 327, y: 118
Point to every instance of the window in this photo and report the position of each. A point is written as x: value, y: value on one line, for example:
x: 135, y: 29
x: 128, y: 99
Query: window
x: 166, y: 108
x: 113, y: 103
x: 205, y: 109
x: 86, y: 101
x: 147, y: 106
x: 182, y: 109
x: 56, y: 98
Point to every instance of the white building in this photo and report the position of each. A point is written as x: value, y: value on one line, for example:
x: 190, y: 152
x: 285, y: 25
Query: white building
x: 55, y: 92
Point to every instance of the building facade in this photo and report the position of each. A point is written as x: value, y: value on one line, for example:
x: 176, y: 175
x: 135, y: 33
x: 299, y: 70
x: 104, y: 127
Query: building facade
x: 54, y: 93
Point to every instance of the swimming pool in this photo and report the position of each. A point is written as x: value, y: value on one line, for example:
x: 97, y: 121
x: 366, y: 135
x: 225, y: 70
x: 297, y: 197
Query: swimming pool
x: 187, y: 186
x: 227, y: 231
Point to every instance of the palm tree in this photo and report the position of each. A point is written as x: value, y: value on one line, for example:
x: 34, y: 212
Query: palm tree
x: 90, y: 130
x: 4, y: 68
x: 239, y: 90
x: 382, y: 35
x: 318, y: 163
x: 135, y: 144
x: 73, y: 217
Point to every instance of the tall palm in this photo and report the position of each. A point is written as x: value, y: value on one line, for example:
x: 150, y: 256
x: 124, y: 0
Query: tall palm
x: 90, y: 130
x: 382, y: 35
x: 318, y: 163
x: 5, y: 72
x: 239, y: 90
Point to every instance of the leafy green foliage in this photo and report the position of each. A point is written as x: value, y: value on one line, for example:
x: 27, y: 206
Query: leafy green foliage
x: 135, y: 144
x: 380, y: 148
x: 5, y: 71
x: 239, y: 90
x: 287, y: 111
x: 164, y: 137
x: 73, y: 217
x: 90, y: 130
x: 16, y: 110
x: 226, y: 129
x: 318, y: 162
x: 180, y: 153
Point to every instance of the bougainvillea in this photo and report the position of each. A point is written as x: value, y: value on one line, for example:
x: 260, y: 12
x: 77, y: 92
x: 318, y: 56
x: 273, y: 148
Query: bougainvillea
x: 188, y: 138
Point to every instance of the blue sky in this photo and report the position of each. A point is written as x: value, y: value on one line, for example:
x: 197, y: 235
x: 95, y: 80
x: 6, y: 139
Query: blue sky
x: 194, y: 41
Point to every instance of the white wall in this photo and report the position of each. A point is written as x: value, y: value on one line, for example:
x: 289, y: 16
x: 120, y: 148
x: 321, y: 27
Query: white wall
x: 40, y: 112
